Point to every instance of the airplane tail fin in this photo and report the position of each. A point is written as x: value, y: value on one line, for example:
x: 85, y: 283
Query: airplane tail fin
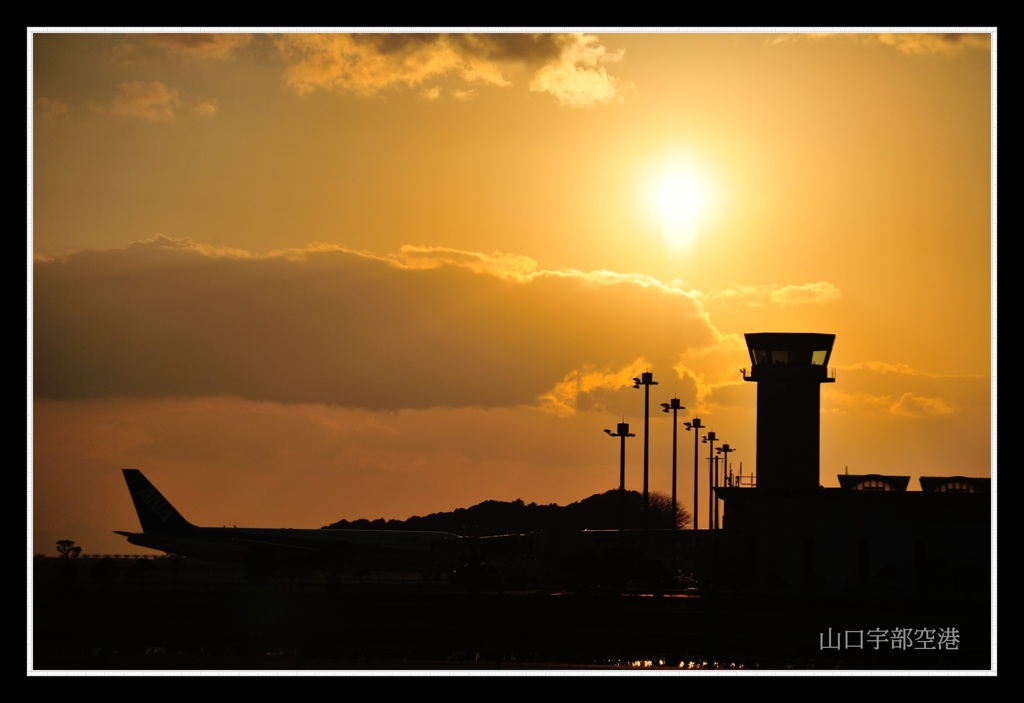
x: 156, y: 514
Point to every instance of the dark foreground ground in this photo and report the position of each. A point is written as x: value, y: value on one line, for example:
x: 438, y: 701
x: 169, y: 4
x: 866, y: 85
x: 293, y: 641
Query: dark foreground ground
x: 219, y: 623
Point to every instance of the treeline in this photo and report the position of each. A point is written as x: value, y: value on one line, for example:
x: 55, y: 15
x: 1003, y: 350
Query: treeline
x: 602, y: 511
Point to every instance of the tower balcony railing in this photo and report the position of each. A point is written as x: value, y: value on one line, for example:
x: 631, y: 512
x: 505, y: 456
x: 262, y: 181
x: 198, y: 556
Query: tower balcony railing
x: 767, y: 371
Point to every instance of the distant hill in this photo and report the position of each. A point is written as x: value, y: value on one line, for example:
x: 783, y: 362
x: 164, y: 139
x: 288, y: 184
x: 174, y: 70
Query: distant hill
x: 601, y: 511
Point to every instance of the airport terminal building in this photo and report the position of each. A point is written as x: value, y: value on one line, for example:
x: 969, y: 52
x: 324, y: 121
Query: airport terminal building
x: 871, y: 536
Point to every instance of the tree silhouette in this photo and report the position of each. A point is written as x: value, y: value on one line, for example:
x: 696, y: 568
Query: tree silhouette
x: 610, y: 510
x: 68, y: 549
x: 661, y: 512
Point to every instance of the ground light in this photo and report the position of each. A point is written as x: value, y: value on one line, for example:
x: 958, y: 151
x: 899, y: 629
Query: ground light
x: 675, y: 407
x: 646, y: 380
x: 622, y: 432
x: 696, y: 427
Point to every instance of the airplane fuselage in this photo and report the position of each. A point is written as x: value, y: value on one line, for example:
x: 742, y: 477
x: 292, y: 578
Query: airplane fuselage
x: 164, y: 529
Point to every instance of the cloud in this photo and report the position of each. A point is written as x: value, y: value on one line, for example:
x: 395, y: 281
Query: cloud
x: 949, y: 44
x: 570, y: 67
x: 583, y: 384
x: 816, y: 293
x: 578, y: 78
x: 907, y: 43
x: 149, y: 100
x: 701, y: 388
x: 208, y: 107
x: 712, y: 381
x: 914, y: 395
x: 885, y: 367
x: 154, y: 101
x: 425, y: 327
x: 50, y: 109
x: 202, y: 45
x: 910, y: 405
x: 161, y: 243
x: 509, y: 266
x: 806, y: 294
x: 883, y: 389
x: 844, y: 401
x: 366, y: 64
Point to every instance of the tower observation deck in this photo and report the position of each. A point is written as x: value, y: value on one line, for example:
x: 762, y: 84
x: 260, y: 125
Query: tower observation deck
x: 788, y: 368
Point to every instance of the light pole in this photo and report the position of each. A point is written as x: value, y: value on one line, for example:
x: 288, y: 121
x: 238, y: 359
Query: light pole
x: 724, y: 450
x: 675, y: 407
x: 646, y: 380
x: 710, y: 438
x: 695, y: 425
x: 622, y: 433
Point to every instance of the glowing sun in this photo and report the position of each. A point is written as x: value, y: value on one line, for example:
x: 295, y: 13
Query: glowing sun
x: 679, y: 200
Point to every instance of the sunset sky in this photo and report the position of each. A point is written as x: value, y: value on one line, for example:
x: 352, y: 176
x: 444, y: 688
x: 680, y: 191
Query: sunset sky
x: 296, y: 278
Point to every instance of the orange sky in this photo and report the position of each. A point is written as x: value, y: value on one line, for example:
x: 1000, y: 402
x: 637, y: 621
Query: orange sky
x: 300, y: 278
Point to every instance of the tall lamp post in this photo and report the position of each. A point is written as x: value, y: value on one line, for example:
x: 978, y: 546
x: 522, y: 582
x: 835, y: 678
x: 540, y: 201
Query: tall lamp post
x: 622, y: 433
x: 675, y: 407
x: 724, y: 450
x: 710, y: 438
x: 646, y: 380
x: 696, y: 427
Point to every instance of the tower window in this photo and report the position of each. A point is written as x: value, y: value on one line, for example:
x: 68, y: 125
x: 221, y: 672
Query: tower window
x: 873, y: 484
x: 956, y: 486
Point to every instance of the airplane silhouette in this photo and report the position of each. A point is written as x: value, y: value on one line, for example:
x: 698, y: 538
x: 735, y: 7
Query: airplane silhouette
x: 265, y: 551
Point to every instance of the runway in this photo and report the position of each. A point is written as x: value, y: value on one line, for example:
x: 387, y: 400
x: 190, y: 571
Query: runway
x: 226, y: 624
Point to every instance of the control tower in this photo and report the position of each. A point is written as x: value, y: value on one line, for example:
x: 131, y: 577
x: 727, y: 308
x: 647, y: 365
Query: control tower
x: 788, y: 368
